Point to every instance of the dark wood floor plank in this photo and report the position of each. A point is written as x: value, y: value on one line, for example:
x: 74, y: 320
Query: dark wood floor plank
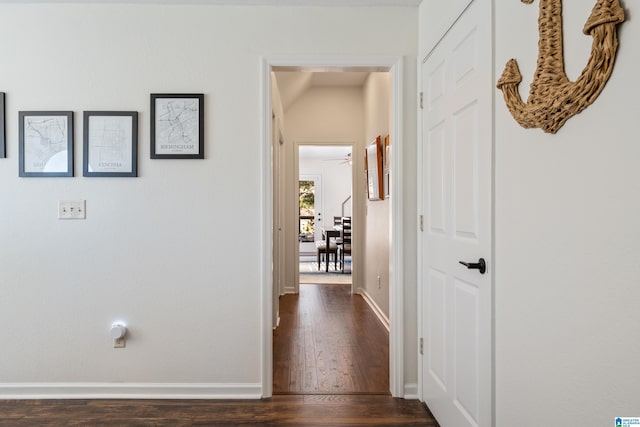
x: 328, y: 342
x: 285, y: 410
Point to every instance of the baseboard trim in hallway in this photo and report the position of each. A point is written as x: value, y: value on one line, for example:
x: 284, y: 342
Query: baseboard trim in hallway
x: 376, y: 309
x: 360, y: 393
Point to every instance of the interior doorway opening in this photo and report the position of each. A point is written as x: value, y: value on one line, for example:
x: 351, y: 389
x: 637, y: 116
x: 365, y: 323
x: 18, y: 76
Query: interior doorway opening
x: 392, y: 66
x: 324, y: 213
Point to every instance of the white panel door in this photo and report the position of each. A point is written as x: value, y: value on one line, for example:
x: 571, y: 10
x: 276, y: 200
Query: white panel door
x: 457, y: 302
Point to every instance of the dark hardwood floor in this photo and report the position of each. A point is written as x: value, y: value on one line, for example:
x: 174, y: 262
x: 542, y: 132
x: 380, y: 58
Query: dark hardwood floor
x: 288, y: 410
x: 329, y: 342
x: 331, y: 363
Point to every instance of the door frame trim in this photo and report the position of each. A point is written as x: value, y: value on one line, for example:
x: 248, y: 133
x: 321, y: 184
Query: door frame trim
x: 394, y: 65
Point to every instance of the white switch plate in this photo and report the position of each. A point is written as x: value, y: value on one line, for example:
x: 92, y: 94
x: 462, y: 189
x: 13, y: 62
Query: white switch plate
x: 71, y: 209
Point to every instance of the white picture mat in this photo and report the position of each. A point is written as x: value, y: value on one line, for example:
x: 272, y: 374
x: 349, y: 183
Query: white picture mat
x: 177, y: 126
x: 45, y: 143
x: 110, y: 144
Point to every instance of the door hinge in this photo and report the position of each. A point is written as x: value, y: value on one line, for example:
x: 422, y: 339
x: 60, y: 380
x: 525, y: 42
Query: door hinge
x: 421, y: 222
x: 422, y: 346
x: 421, y: 100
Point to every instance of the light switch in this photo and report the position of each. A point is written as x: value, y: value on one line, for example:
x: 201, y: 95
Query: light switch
x: 71, y: 209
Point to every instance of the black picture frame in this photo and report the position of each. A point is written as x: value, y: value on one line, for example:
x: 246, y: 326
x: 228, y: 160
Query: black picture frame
x: 177, y: 126
x: 3, y: 134
x: 45, y: 141
x: 110, y: 144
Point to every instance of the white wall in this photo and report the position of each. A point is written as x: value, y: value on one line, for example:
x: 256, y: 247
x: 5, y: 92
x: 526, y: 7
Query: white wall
x: 566, y: 237
x: 176, y: 251
x: 377, y: 107
x: 567, y: 232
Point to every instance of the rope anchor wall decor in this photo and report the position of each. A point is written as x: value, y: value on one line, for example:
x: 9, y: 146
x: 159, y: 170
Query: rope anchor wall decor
x: 553, y: 99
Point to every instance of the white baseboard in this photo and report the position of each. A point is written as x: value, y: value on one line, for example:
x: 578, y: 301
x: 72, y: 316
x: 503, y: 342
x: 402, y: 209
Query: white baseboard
x: 289, y: 290
x: 378, y: 312
x: 129, y: 391
x: 411, y: 391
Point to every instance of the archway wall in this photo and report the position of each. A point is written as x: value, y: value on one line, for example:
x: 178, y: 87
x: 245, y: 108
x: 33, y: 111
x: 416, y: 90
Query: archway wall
x: 177, y: 251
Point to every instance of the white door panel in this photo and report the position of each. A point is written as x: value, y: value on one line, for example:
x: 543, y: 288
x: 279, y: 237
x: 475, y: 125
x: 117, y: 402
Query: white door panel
x: 437, y: 167
x: 436, y: 356
x: 465, y: 173
x: 457, y: 146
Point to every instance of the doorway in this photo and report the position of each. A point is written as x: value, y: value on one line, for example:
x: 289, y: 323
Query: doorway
x: 310, y: 209
x: 325, y: 182
x: 396, y: 339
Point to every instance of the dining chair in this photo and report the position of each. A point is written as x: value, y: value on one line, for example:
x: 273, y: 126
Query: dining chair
x: 344, y: 247
x: 321, y: 249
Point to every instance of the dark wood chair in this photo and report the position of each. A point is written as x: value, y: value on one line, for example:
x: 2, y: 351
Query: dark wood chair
x: 337, y: 225
x: 321, y: 249
x: 344, y: 247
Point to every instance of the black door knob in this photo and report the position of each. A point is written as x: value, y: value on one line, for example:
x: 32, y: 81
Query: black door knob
x: 480, y: 265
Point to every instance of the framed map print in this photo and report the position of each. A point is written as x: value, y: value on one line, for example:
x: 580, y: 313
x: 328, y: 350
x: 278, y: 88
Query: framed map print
x: 45, y: 141
x: 177, y: 126
x: 110, y: 144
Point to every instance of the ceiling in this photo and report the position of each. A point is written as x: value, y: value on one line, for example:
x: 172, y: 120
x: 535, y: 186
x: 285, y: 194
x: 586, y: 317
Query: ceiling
x: 324, y: 152
x: 293, y: 84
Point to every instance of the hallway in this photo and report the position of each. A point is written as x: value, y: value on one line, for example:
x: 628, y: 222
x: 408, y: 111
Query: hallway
x: 329, y: 342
